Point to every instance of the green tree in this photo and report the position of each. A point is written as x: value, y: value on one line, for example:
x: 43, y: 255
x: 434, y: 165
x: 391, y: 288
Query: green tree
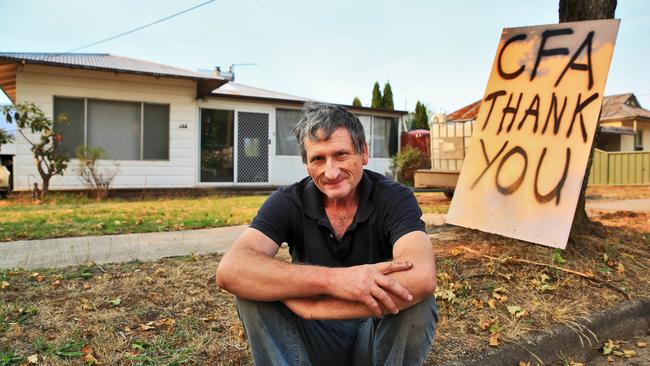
x: 356, y: 102
x: 29, y: 117
x: 376, y: 97
x: 387, y: 98
x: 420, y: 118
x: 5, y: 137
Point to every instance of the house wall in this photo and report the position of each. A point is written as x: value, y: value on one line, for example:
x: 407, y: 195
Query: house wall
x: 627, y: 143
x: 645, y: 128
x: 40, y: 84
x: 283, y: 169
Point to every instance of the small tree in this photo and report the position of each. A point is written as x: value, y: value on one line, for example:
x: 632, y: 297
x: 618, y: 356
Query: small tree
x: 420, y: 118
x: 406, y: 162
x: 90, y: 174
x: 49, y: 161
x: 387, y: 98
x: 376, y: 97
x: 5, y: 137
x: 356, y: 102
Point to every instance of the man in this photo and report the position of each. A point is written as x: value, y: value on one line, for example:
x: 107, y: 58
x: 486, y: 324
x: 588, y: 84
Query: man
x: 359, y: 288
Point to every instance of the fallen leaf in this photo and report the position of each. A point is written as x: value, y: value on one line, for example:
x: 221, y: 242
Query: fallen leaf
x: 148, y: 326
x: 188, y: 311
x: 149, y: 279
x: 456, y: 252
x: 88, y: 356
x: 87, y: 286
x: 4, y: 285
x: 494, y: 340
x: 628, y: 353
x: 610, y: 359
x: 57, y: 283
x: 33, y: 359
x: 160, y: 272
x: 116, y: 302
x: 492, y: 304
x: 37, y: 277
x: 620, y: 268
x: 522, y: 363
x: 484, y: 324
x: 641, y: 344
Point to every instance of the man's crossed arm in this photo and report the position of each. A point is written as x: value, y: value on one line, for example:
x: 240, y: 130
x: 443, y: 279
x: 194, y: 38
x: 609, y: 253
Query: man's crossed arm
x: 249, y: 270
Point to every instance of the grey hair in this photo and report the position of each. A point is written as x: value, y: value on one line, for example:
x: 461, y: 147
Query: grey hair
x: 327, y: 117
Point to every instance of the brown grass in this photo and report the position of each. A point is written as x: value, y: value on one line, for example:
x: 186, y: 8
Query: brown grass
x: 170, y: 310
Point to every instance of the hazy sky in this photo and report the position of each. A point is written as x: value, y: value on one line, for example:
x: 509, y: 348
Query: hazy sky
x: 438, y: 52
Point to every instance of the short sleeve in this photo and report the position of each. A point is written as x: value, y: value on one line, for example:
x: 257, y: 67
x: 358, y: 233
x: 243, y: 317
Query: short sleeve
x: 404, y: 215
x: 275, y: 217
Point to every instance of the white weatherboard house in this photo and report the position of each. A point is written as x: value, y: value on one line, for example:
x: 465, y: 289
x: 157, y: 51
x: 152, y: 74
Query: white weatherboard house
x: 169, y: 127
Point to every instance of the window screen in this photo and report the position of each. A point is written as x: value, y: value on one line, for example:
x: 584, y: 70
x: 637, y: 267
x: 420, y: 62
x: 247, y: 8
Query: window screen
x: 115, y: 127
x: 72, y: 130
x: 155, y: 132
x: 384, y: 137
x: 285, y: 140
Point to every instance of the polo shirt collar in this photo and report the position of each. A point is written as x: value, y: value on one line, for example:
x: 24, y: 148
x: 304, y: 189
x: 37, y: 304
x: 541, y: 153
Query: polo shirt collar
x: 313, y: 200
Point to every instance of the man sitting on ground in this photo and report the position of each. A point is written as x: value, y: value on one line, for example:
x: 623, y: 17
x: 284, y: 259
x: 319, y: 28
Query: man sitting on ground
x: 359, y: 288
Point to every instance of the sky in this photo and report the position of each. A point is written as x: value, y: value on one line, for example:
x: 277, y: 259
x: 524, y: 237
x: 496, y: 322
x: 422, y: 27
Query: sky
x: 437, y: 52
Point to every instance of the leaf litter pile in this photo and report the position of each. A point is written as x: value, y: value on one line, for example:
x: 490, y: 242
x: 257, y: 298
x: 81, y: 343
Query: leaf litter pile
x: 492, y: 291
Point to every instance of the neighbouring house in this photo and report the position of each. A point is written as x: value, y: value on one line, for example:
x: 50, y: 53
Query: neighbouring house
x: 625, y: 125
x: 169, y: 127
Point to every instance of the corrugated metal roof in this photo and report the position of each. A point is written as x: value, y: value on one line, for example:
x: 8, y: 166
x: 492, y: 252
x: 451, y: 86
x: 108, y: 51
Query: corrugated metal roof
x: 466, y: 113
x: 105, y: 61
x: 235, y: 90
x: 239, y: 90
x: 620, y: 106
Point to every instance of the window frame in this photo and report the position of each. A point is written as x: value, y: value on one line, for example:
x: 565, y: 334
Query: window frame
x: 142, y: 104
x: 297, y: 154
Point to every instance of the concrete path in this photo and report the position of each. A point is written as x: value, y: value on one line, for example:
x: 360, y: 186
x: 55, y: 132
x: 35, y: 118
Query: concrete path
x: 641, y: 204
x: 50, y: 253
x: 63, y: 252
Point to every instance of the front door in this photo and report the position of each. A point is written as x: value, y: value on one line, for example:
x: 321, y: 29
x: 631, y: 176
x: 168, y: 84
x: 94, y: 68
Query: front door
x: 252, y: 147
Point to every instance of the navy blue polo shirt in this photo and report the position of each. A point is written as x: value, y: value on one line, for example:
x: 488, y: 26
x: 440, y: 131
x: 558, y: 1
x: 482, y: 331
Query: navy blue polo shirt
x: 295, y: 214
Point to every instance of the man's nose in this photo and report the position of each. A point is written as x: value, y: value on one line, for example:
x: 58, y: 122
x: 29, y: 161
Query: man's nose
x: 332, y: 171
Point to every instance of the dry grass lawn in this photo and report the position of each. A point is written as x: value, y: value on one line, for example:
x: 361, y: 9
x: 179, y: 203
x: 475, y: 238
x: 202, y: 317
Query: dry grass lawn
x: 169, y: 312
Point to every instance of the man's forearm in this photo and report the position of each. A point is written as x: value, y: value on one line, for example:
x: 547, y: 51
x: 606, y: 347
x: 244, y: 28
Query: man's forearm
x: 269, y: 279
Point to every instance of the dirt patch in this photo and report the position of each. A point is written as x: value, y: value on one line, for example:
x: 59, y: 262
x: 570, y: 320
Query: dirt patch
x: 170, y: 311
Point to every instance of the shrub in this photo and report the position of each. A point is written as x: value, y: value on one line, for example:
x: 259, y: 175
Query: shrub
x: 406, y: 162
x: 90, y: 174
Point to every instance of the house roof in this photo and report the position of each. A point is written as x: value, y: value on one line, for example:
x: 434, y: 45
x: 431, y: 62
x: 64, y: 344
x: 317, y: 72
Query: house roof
x: 622, y: 106
x: 467, y: 113
x: 106, y: 62
x: 617, y: 130
x: 240, y: 91
x: 615, y: 107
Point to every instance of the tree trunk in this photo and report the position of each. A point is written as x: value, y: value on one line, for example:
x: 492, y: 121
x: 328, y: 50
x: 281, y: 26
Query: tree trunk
x: 573, y: 11
x: 46, y: 186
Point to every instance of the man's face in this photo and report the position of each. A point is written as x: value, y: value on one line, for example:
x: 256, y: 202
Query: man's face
x: 334, y: 165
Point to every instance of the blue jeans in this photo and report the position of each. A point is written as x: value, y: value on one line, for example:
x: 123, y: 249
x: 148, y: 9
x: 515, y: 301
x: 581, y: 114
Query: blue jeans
x: 279, y: 337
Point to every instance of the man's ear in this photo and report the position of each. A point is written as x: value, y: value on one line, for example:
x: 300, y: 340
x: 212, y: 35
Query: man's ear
x: 364, y: 154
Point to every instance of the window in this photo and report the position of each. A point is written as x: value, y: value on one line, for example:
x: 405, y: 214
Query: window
x: 285, y: 140
x: 125, y: 130
x: 384, y: 137
x: 217, y: 142
x: 638, y: 141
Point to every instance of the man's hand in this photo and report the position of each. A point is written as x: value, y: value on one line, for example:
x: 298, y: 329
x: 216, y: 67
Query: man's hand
x: 368, y: 284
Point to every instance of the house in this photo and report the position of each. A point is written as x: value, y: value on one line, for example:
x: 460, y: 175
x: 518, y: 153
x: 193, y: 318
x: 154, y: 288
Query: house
x: 625, y: 125
x: 169, y: 127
